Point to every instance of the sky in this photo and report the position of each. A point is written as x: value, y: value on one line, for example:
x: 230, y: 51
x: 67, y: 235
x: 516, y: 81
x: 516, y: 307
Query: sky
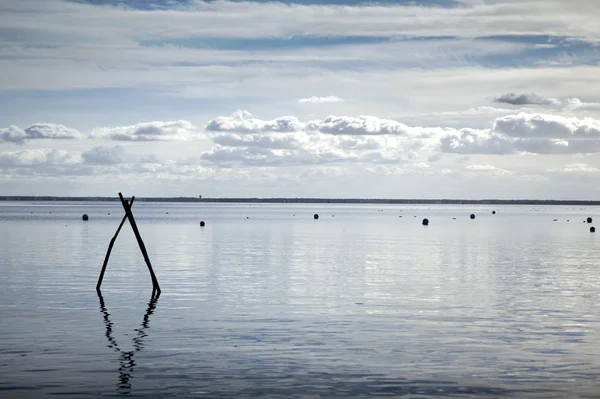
x: 461, y: 99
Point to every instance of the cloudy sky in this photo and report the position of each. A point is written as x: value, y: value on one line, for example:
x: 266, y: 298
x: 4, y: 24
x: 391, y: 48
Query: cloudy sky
x: 303, y: 98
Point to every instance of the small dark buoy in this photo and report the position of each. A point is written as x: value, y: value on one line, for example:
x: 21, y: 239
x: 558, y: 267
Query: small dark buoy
x: 109, y: 213
x: 425, y: 222
x: 453, y: 218
x: 592, y: 229
x: 400, y: 216
x: 493, y: 212
x: 247, y: 217
x: 85, y: 216
x: 472, y: 216
x: 202, y: 223
x: 589, y: 220
x: 316, y: 216
x: 556, y: 220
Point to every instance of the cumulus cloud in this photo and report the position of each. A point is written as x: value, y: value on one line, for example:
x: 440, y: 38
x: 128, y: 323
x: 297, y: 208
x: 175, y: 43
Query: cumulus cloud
x: 16, y: 135
x: 243, y: 122
x: 148, y: 131
x: 547, y: 126
x: 472, y: 141
x: 319, y: 100
x: 526, y: 99
x: 489, y: 169
x: 576, y: 168
x: 12, y: 134
x: 38, y: 157
x: 533, y: 133
x: 243, y: 139
x: 51, y: 131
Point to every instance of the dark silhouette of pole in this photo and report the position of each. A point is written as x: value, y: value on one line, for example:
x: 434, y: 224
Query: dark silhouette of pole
x: 138, y: 237
x: 110, y: 246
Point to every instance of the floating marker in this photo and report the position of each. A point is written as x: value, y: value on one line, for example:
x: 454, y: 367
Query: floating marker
x: 493, y: 212
x: 316, y: 216
x: 472, y: 216
x: 425, y: 222
x: 85, y: 216
x: 589, y: 220
x: 592, y: 229
x: 202, y: 223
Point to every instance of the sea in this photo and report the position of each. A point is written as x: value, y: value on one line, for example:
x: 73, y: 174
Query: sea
x: 264, y: 300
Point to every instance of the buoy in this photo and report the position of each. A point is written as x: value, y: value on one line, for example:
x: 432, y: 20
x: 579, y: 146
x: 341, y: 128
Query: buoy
x: 316, y: 216
x: 592, y: 229
x: 589, y: 220
x: 425, y: 222
x: 202, y: 223
x: 493, y: 212
x: 472, y: 216
x: 85, y: 216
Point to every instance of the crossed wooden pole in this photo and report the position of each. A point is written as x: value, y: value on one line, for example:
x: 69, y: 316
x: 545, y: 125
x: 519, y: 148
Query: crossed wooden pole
x: 129, y: 216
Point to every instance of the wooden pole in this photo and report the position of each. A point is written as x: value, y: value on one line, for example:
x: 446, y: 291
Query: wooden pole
x: 110, y: 246
x: 127, y: 207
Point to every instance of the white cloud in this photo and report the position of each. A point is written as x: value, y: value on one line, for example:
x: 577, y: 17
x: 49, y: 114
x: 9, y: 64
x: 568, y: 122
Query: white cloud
x: 547, y: 126
x: 319, y: 100
x: 576, y: 168
x: 487, y: 169
x: 148, y: 131
x: 472, y: 141
x: 246, y: 140
x: 16, y: 135
x: 51, y: 131
x: 38, y: 157
x: 243, y: 122
x: 12, y: 134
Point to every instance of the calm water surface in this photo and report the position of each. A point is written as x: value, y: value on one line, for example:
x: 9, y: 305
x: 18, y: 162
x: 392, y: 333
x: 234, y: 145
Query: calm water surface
x: 264, y: 301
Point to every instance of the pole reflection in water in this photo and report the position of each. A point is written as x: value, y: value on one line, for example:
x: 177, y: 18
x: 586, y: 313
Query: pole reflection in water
x: 126, y: 358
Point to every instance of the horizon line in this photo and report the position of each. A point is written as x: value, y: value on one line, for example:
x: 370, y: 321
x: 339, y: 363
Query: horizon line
x: 450, y: 201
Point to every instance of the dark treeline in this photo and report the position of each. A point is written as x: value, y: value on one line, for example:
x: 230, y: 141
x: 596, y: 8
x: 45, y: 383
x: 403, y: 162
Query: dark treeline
x: 313, y: 200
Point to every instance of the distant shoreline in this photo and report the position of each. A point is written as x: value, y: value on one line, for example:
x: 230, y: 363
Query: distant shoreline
x: 311, y: 200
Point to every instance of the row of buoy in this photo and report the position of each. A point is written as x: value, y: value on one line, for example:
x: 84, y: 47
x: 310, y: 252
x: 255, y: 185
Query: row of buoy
x: 425, y: 221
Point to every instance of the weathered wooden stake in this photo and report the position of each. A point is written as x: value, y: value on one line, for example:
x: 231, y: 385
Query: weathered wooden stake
x: 110, y: 246
x: 127, y: 207
x: 129, y: 216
